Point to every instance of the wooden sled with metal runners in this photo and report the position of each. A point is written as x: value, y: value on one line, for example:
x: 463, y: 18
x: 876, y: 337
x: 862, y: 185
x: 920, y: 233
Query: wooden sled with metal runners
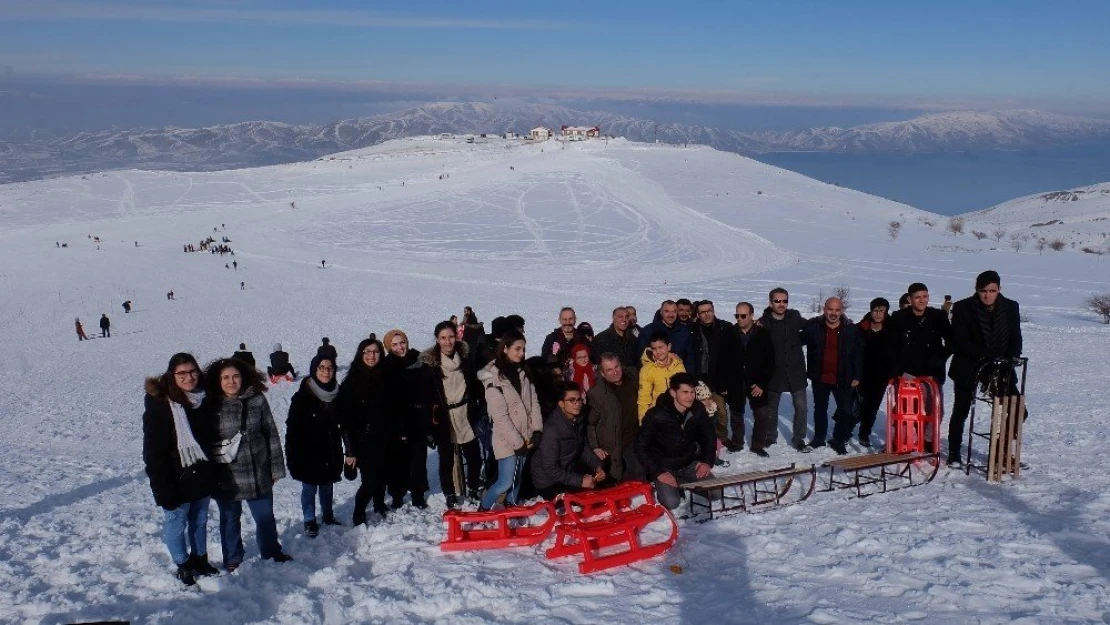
x: 859, y: 472
x: 750, y: 491
x: 1002, y: 387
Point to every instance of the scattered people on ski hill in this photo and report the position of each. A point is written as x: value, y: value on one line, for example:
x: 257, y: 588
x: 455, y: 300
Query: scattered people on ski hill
x: 105, y: 326
x: 613, y: 420
x: 327, y: 350
x: 235, y: 265
x: 313, y: 444
x: 985, y: 327
x: 127, y: 306
x: 244, y: 355
x: 634, y: 326
x: 676, y: 442
x: 619, y: 339
x: 169, y: 295
x: 684, y: 309
x: 876, y: 335
x: 515, y: 413
x: 364, y: 422
x: 678, y: 334
x: 407, y: 450
x: 81, y: 336
x: 745, y: 366
x: 181, y: 476
x: 247, y: 450
x: 579, y: 369
x: 923, y: 337
x: 785, y: 326
x: 323, y: 264
x: 280, y: 368
x: 557, y: 345
x: 242, y: 286
x: 834, y: 363
x: 563, y: 462
x: 456, y: 402
x: 657, y: 366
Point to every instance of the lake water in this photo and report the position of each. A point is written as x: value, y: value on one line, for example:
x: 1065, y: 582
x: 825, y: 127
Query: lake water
x: 954, y: 182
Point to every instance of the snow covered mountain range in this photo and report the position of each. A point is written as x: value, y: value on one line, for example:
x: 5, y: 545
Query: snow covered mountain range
x: 255, y: 143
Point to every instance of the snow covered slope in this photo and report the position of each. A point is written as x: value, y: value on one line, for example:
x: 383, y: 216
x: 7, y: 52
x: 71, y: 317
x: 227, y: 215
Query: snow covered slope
x: 412, y: 231
x: 1079, y: 217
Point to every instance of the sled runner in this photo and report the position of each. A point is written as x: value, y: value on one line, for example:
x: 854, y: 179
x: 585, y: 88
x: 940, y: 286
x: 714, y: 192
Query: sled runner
x: 882, y: 469
x: 1002, y: 387
x: 752, y: 491
x: 470, y: 530
x: 614, y: 540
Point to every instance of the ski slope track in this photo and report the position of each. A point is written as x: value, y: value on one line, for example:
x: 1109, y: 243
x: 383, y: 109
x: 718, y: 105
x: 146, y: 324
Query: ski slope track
x: 413, y: 230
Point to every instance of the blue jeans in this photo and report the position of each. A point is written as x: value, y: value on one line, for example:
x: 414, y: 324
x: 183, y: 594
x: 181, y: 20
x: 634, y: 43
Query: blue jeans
x: 231, y: 532
x: 185, y: 530
x: 308, y: 501
x: 507, y: 482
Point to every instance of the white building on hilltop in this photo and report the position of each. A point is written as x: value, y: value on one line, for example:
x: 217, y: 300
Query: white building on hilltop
x: 579, y: 133
x: 540, y: 133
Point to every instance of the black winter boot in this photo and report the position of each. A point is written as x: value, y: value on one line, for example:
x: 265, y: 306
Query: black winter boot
x: 185, y: 574
x: 200, y: 565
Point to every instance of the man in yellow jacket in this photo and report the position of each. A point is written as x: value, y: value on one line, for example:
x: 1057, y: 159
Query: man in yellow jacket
x: 657, y: 365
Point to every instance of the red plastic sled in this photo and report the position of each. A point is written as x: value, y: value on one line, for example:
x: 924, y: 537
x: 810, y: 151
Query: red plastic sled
x: 462, y: 535
x: 911, y: 406
x: 589, y: 538
x: 583, y: 505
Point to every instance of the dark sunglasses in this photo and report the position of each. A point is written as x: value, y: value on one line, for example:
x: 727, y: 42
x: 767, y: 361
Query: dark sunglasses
x: 781, y: 301
x: 743, y: 316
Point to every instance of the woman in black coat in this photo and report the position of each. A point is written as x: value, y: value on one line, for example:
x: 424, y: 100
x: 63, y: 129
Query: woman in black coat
x: 407, y: 448
x: 878, y: 342
x: 362, y: 419
x: 181, y: 477
x: 313, y: 451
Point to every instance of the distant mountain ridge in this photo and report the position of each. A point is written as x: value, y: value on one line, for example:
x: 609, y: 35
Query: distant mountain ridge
x: 254, y: 143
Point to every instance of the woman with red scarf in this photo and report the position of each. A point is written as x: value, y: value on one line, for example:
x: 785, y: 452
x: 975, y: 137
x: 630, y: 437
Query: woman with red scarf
x: 579, y: 369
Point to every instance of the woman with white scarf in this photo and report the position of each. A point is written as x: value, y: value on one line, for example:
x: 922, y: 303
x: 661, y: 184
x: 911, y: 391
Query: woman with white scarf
x: 181, y: 477
x: 313, y: 447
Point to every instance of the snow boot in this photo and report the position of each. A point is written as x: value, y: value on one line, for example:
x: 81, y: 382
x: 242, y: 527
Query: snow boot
x: 185, y: 575
x: 200, y: 565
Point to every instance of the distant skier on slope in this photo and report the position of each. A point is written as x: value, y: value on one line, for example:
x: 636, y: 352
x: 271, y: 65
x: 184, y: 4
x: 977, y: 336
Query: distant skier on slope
x: 105, y: 326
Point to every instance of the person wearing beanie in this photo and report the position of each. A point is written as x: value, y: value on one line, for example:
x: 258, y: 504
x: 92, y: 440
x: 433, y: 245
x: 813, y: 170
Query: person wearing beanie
x: 985, y: 326
x: 280, y: 368
x: 244, y: 355
x: 313, y: 447
x: 327, y: 349
x: 875, y: 331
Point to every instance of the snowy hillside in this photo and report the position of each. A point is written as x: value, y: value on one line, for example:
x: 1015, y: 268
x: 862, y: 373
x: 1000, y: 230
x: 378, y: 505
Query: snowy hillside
x: 1079, y: 217
x: 256, y: 143
x: 412, y: 231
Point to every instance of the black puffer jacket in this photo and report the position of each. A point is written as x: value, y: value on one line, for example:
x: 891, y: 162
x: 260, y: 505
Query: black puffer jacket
x: 169, y: 482
x: 921, y: 345
x: 562, y: 446
x: 669, y: 441
x: 625, y: 347
x: 313, y: 451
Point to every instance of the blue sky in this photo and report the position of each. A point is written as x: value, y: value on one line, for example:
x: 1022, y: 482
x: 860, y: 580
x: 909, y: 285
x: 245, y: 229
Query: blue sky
x: 1011, y: 52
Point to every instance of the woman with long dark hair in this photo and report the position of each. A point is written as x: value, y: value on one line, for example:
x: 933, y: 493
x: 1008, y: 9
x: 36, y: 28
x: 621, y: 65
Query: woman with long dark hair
x: 362, y: 418
x: 247, y: 449
x: 181, y: 477
x: 515, y: 411
x: 456, y: 402
x: 313, y: 449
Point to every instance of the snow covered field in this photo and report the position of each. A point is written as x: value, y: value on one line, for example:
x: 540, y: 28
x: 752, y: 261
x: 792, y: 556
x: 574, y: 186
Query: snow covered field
x: 593, y: 225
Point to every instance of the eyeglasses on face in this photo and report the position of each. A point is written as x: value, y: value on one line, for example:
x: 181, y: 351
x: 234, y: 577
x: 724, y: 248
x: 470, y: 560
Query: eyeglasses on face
x: 742, y: 315
x: 191, y: 373
x: 367, y: 352
x: 781, y: 301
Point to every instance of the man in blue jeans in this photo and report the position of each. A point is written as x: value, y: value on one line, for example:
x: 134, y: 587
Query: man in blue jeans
x: 834, y: 363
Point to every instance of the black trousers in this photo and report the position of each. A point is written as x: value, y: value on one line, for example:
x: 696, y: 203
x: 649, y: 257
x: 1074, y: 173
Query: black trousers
x: 406, y: 466
x: 472, y: 459
x: 871, y: 399
x: 371, y: 486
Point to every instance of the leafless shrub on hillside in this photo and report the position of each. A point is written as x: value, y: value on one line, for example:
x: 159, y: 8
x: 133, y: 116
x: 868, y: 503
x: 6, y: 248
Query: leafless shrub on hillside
x: 925, y: 221
x: 817, y: 303
x: 956, y: 225
x: 1057, y: 245
x: 1040, y: 244
x: 893, y: 229
x: 1100, y: 305
x: 998, y: 234
x: 844, y: 293
x: 1017, y: 243
x: 979, y: 235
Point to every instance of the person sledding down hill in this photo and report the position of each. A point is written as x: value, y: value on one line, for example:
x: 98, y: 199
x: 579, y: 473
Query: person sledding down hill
x: 279, y: 368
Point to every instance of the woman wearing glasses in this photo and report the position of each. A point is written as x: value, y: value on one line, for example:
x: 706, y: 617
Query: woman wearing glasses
x: 313, y: 449
x: 247, y: 450
x: 179, y: 471
x: 361, y: 403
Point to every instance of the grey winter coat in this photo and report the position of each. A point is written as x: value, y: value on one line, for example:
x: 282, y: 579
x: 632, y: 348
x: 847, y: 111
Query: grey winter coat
x: 604, y: 414
x: 260, y: 461
x: 790, y: 362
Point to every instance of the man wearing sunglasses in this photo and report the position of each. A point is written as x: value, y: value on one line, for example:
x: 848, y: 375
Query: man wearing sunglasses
x: 743, y: 374
x: 789, y: 376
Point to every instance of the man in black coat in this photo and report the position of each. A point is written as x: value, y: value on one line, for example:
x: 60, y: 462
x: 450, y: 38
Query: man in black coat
x: 708, y: 331
x: 785, y: 325
x: 676, y: 442
x: 834, y: 363
x: 245, y: 355
x: 743, y: 374
x: 563, y: 462
x: 666, y: 320
x: 619, y: 339
x: 985, y: 326
x: 280, y: 366
x: 105, y: 327
x: 922, y: 337
x: 556, y: 347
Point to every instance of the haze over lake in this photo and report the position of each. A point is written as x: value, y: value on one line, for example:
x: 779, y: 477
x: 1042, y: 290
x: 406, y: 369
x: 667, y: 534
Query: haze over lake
x: 954, y: 182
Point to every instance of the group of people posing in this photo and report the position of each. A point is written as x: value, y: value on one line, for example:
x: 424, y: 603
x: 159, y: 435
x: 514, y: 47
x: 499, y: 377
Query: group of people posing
x: 649, y: 403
